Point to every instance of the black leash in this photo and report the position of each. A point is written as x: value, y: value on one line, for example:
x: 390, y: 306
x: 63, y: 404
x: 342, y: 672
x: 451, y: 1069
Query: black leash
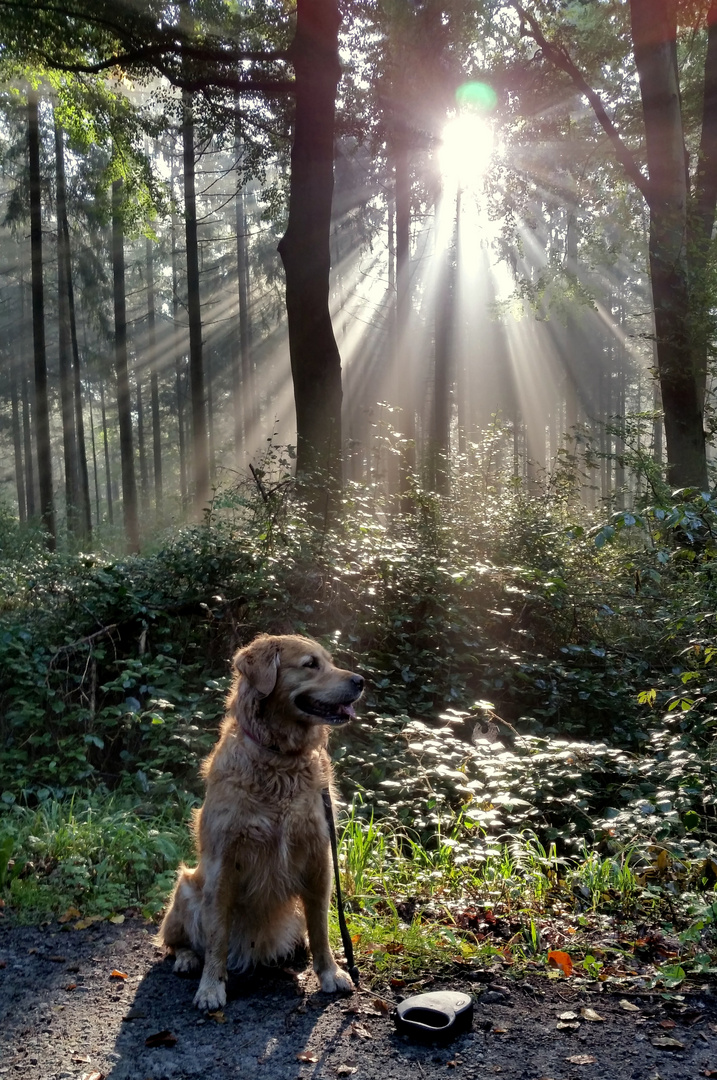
x: 345, y: 936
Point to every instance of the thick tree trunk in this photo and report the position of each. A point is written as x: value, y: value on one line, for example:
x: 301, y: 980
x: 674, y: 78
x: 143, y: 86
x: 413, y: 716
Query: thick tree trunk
x: 154, y: 379
x: 42, y: 410
x: 403, y: 293
x: 654, y: 32
x: 200, y: 449
x: 702, y: 216
x: 67, y: 403
x: 124, y: 403
x: 305, y: 252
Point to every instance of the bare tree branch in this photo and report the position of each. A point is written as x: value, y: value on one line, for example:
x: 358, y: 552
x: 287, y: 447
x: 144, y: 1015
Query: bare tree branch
x: 557, y: 56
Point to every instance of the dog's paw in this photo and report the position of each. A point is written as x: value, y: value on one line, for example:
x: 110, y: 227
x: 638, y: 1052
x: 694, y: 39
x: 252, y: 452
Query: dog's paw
x: 186, y: 962
x: 335, y: 981
x: 211, y: 995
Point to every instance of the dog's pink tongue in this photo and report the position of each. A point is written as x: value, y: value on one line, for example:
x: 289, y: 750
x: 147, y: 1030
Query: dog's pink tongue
x: 348, y: 710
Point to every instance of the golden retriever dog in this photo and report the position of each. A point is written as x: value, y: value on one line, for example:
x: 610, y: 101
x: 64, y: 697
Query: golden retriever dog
x: 263, y: 875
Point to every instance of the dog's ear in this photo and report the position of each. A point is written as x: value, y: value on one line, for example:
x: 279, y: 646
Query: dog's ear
x: 259, y: 664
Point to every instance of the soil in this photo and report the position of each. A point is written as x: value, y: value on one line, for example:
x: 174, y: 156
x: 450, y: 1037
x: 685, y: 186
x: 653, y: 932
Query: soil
x: 63, y: 1014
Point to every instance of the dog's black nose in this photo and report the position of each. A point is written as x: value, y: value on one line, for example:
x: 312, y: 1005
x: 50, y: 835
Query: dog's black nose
x: 358, y: 682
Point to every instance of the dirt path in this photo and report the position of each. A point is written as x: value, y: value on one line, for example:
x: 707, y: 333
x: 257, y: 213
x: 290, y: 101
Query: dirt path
x: 63, y: 1015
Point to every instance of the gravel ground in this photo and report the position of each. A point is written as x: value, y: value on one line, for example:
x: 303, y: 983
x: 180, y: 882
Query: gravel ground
x: 64, y: 1015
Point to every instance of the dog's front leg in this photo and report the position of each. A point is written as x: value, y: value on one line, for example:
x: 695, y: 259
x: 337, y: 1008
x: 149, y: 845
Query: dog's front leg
x: 216, y: 925
x: 316, y: 897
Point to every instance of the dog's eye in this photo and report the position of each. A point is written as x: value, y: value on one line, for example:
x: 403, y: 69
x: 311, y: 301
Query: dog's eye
x: 311, y: 662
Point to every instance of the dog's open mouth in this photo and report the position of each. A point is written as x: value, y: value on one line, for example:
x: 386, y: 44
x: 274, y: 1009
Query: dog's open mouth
x: 328, y: 714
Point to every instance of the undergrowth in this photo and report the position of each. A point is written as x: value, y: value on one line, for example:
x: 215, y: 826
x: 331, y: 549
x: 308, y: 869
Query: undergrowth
x: 540, y: 693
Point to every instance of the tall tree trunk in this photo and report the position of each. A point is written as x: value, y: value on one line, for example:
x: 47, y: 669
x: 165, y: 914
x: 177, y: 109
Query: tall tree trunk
x: 105, y: 443
x: 42, y: 410
x: 124, y: 404
x: 178, y: 371
x: 27, y: 446
x: 403, y: 294
x: 69, y: 443
x: 85, y: 520
x: 244, y: 391
x: 154, y: 379
x: 654, y: 32
x: 200, y: 449
x: 17, y: 443
x: 439, y: 449
x: 141, y: 448
x: 95, y: 470
x: 305, y: 252
x: 701, y: 220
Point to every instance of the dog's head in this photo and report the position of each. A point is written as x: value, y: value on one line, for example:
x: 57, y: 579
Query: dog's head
x: 298, y: 679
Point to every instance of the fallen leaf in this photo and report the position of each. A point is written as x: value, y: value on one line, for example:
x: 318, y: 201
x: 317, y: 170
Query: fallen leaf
x: 116, y: 919
x: 381, y: 1006
x: 628, y: 1006
x: 218, y: 1016
x: 306, y: 1055
x: 80, y: 1060
x: 558, y: 959
x: 568, y: 1016
x: 71, y: 913
x: 71, y: 986
x: 93, y: 1076
x: 358, y: 1031
x: 115, y: 974
x: 397, y: 983
x: 82, y: 924
x: 582, y: 1059
x: 500, y: 1031
x: 162, y: 1038
x: 667, y: 1024
x: 592, y: 1016
x: 345, y: 1070
x: 567, y: 1025
x: 664, y: 1042
x: 709, y: 1072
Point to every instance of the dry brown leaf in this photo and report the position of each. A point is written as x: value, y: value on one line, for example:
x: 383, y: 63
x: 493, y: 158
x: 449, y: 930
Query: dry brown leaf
x: 628, y: 1006
x: 82, y: 924
x: 567, y: 1025
x: 358, y: 1031
x: 381, y: 1006
x: 345, y: 1070
x: 93, y: 1076
x: 582, y: 1059
x: 116, y: 919
x: 81, y: 1059
x: 161, y: 1038
x: 669, y: 1024
x: 71, y: 986
x: 500, y: 1031
x: 590, y: 1014
x: 71, y: 913
x: 664, y: 1042
x: 568, y: 1015
x: 115, y: 974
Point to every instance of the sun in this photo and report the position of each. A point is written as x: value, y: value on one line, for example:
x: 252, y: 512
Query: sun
x: 466, y: 149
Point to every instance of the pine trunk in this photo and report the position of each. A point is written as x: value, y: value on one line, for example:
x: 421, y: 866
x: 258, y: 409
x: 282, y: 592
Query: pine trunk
x: 305, y: 253
x: 124, y: 403
x: 42, y: 410
x: 200, y: 449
